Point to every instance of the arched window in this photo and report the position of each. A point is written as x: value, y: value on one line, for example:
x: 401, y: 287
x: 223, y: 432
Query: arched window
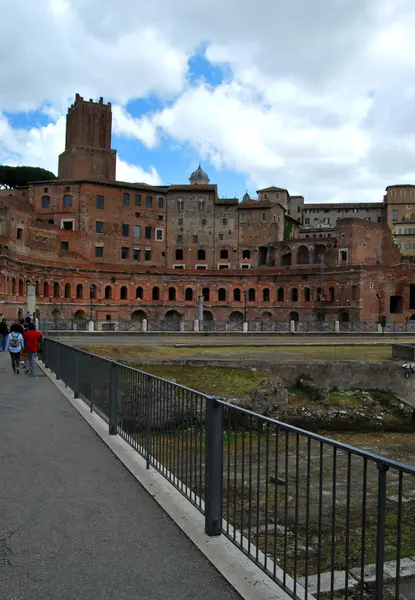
x: 172, y: 293
x: 265, y: 295
x: 246, y: 254
x: 294, y: 295
x: 307, y: 294
x: 180, y: 204
x: 237, y: 295
x: 13, y: 286
x: 123, y: 292
x: 188, y: 295
x: 79, y: 291
x: 331, y: 294
x: 93, y: 291
x: 202, y: 204
x: 320, y: 295
x: 280, y: 295
x: 21, y: 287
x: 156, y: 293
x: 108, y: 292
x: 206, y: 294
x: 46, y: 289
x: 139, y: 295
x: 37, y: 289
x: 221, y: 294
x: 56, y: 290
x: 201, y: 255
x: 68, y: 290
x: 224, y: 253
x: 251, y: 295
x: 179, y: 254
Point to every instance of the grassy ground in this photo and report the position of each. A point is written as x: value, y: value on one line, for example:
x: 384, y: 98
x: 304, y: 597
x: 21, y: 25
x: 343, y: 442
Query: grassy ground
x: 282, y: 353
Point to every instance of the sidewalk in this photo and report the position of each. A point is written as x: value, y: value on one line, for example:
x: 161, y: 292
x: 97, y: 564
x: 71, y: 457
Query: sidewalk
x: 74, y: 524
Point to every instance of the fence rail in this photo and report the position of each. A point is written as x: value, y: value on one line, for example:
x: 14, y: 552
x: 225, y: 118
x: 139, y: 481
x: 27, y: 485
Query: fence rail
x: 306, y: 509
x: 264, y: 325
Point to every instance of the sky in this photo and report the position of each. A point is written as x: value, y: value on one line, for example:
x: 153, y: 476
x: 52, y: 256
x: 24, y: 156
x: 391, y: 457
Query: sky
x: 315, y: 97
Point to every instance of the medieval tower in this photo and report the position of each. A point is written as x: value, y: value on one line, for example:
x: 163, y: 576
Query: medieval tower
x: 88, y: 153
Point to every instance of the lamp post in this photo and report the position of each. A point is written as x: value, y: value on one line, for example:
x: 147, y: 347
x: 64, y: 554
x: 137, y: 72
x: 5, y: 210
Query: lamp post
x: 245, y: 299
x: 380, y: 300
x: 91, y: 295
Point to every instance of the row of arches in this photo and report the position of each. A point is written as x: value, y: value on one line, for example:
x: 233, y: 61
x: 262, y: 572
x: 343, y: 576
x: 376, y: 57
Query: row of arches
x: 80, y: 292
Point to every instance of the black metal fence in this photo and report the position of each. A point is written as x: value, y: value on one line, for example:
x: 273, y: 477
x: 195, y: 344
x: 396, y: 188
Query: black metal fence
x: 313, y: 513
x: 259, y: 325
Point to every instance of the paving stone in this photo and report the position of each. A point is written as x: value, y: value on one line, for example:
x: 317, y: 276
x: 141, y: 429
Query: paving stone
x: 325, y: 582
x: 407, y: 569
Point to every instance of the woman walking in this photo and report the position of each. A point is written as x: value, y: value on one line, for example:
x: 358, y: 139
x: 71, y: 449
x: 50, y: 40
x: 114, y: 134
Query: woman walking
x: 15, y: 346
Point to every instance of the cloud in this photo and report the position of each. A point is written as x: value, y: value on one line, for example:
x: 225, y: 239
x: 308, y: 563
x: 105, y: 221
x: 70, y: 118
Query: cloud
x: 318, y: 96
x: 136, y: 174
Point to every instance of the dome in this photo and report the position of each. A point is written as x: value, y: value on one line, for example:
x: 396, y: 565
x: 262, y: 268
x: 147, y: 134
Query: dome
x: 199, y: 177
x: 246, y: 197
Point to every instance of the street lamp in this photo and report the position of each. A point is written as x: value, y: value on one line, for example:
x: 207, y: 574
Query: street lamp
x: 245, y: 299
x: 91, y: 295
x: 380, y: 299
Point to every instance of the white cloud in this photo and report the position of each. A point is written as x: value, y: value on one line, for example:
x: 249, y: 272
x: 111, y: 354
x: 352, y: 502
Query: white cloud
x: 136, y: 174
x: 319, y: 98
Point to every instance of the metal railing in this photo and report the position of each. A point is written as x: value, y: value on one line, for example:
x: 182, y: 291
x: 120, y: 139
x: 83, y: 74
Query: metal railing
x: 306, y: 509
x: 258, y: 325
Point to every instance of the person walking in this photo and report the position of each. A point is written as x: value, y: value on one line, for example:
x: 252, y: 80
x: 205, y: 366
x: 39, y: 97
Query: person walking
x: 15, y: 346
x: 4, y: 332
x: 32, y: 339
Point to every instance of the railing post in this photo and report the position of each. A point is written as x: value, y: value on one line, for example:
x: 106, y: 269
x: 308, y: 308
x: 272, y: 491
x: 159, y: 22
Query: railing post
x: 214, y: 468
x: 57, y: 362
x: 148, y: 417
x: 380, y: 536
x: 76, y: 386
x: 113, y: 409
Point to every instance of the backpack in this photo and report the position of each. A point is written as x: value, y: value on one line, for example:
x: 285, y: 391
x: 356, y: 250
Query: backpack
x: 14, y: 343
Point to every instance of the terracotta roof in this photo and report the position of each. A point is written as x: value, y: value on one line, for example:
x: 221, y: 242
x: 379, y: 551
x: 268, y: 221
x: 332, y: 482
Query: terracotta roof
x: 399, y: 185
x: 273, y: 188
x: 344, y: 205
x: 226, y: 201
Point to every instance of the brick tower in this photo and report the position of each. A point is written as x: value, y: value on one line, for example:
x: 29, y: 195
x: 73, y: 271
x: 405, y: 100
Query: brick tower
x: 88, y: 153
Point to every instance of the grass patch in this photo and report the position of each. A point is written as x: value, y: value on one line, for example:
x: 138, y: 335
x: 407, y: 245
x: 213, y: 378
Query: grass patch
x: 278, y: 353
x: 345, y: 399
x: 211, y: 380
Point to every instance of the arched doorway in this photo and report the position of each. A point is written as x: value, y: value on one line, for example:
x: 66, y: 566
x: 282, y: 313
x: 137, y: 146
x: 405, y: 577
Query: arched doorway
x: 236, y: 320
x: 294, y: 316
x: 303, y: 255
x: 172, y: 320
x: 266, y: 321
x: 207, y: 320
x: 138, y: 315
x: 57, y: 316
x: 286, y: 259
x: 319, y: 252
x: 80, y: 319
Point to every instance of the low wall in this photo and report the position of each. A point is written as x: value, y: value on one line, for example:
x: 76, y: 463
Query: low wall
x: 403, y: 351
x: 341, y: 375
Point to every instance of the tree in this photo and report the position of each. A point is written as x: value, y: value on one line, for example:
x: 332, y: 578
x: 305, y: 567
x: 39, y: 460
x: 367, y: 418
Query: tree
x: 12, y: 177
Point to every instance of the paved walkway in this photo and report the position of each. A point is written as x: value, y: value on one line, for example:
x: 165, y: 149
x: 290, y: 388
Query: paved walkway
x: 74, y: 523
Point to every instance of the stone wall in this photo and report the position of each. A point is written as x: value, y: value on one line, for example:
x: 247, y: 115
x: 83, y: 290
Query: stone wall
x: 341, y: 375
x: 403, y: 351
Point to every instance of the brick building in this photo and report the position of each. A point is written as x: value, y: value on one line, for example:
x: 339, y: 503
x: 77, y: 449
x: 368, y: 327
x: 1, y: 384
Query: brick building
x: 148, y: 252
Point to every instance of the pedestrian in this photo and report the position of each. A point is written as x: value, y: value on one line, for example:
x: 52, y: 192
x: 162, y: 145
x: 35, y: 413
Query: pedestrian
x: 4, y: 332
x: 22, y: 328
x: 32, y: 340
x: 15, y: 346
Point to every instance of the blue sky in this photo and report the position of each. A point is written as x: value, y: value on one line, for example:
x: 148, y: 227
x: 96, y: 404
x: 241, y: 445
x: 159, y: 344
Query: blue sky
x: 263, y: 93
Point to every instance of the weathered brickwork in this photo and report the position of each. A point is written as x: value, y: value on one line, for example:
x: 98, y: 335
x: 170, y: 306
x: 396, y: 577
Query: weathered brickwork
x: 151, y: 251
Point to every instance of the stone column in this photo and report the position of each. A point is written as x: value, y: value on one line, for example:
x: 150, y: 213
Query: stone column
x: 245, y: 327
x: 144, y: 326
x: 31, y: 299
x: 196, y: 325
x: 337, y: 326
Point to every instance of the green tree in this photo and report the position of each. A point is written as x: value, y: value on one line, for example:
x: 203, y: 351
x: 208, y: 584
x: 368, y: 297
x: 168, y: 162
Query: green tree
x: 12, y: 177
